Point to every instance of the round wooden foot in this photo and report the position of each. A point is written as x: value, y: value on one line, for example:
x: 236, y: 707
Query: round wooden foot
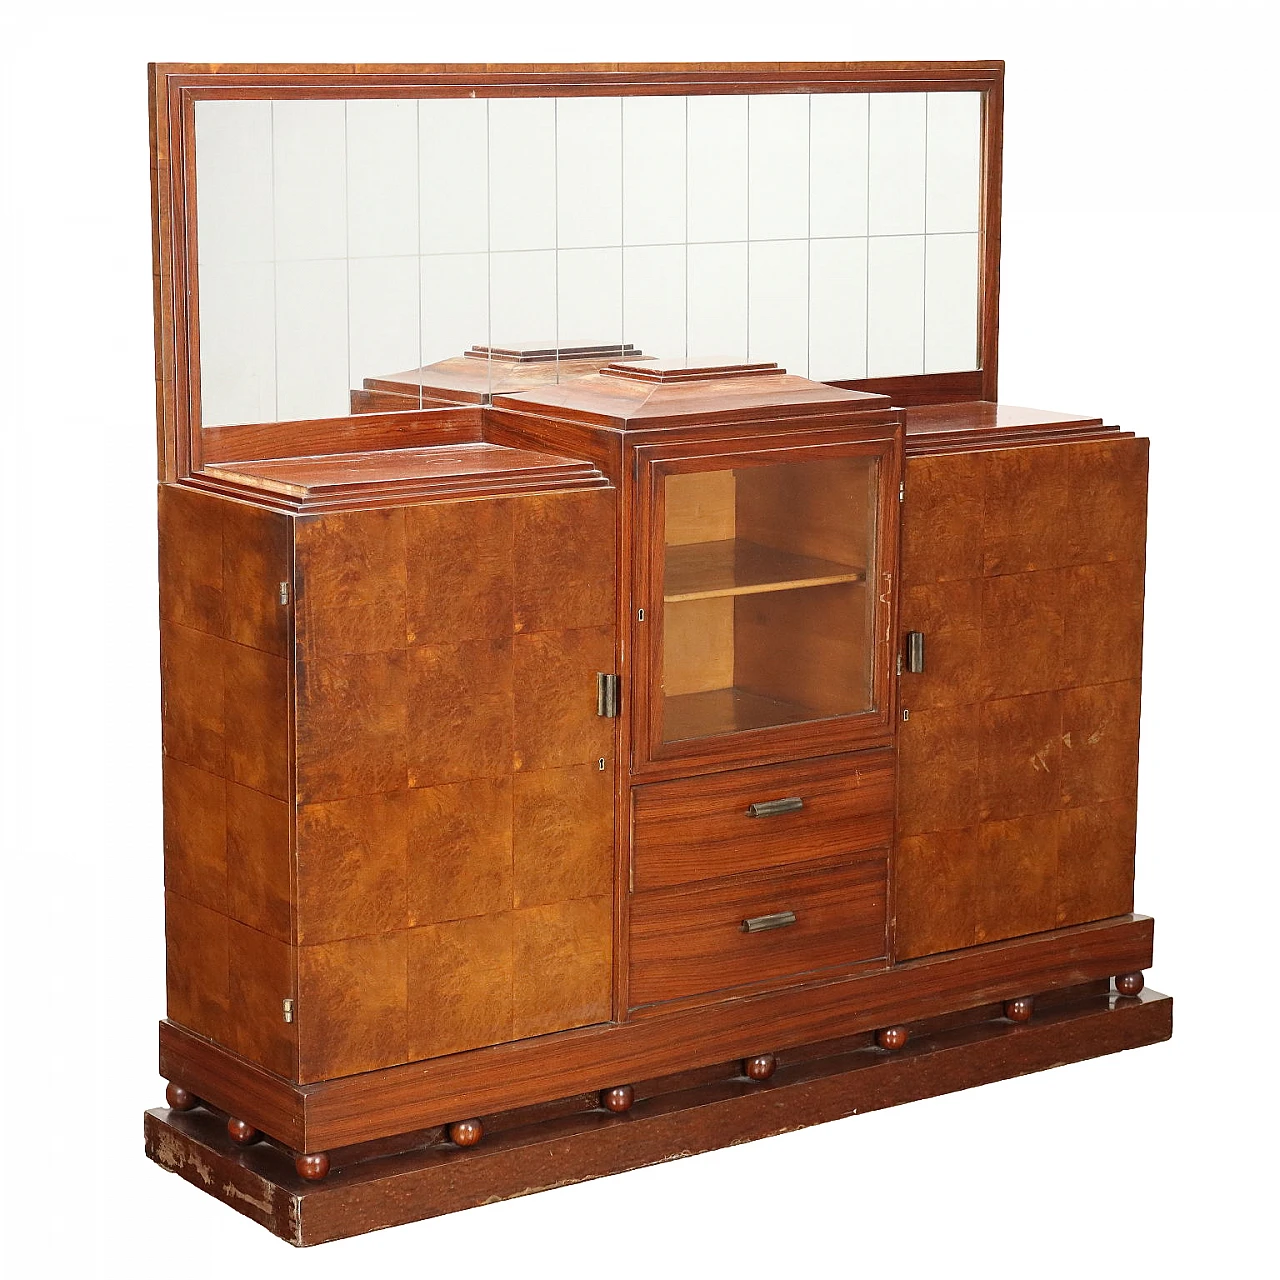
x: 242, y: 1132
x: 1019, y: 1010
x: 761, y: 1067
x: 618, y: 1099
x: 312, y: 1167
x: 465, y: 1133
x: 1130, y: 984
x: 179, y: 1099
x: 892, y: 1037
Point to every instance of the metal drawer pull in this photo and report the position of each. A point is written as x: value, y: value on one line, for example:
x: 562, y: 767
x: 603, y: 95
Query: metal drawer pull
x: 779, y: 920
x: 767, y: 808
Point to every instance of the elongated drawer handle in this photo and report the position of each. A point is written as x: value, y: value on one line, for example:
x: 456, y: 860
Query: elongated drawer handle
x: 779, y: 920
x: 768, y: 808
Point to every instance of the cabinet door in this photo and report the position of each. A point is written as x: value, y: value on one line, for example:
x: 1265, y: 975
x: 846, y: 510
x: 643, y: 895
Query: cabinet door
x: 766, y: 596
x: 1018, y: 762
x: 454, y: 782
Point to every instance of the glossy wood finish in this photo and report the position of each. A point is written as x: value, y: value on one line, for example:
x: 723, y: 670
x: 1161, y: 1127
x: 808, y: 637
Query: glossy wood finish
x: 477, y: 375
x: 382, y: 1191
x: 224, y: 665
x: 1130, y: 984
x: 242, y: 1134
x: 469, y: 469
x: 313, y: 1167
x: 761, y: 1067
x: 619, y: 1099
x: 466, y: 1133
x: 454, y: 835
x: 692, y: 829
x: 1018, y: 766
x: 1020, y: 1009
x: 179, y: 1099
x: 691, y: 940
x: 377, y: 1104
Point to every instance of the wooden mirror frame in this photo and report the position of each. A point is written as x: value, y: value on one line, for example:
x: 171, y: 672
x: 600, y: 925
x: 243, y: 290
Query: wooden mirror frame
x: 175, y: 88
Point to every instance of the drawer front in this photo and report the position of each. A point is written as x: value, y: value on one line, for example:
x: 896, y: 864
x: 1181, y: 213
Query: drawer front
x: 698, y: 828
x: 695, y: 940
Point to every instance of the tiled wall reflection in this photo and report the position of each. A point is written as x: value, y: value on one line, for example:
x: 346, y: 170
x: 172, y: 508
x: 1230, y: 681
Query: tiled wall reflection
x: 837, y: 234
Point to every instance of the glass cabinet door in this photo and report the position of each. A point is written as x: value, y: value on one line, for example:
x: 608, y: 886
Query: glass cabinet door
x: 765, y: 591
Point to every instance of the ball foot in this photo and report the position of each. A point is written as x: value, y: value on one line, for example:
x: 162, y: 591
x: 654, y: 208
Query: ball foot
x: 241, y: 1132
x: 312, y: 1167
x: 465, y: 1133
x: 1130, y: 984
x: 179, y: 1099
x: 618, y: 1099
x: 1019, y: 1010
x: 892, y: 1038
x: 761, y: 1067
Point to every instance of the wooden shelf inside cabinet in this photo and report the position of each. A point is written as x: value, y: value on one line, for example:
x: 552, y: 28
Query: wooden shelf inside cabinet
x: 716, y: 711
x: 734, y: 567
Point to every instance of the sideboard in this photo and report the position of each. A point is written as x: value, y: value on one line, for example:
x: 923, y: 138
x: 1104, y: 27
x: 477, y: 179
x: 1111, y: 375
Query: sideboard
x: 579, y: 754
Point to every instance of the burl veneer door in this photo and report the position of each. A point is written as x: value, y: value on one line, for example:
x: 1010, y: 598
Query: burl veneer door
x: 454, y: 782
x: 224, y: 643
x: 1017, y: 795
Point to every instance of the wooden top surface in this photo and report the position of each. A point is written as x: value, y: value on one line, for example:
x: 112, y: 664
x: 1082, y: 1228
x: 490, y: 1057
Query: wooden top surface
x: 626, y: 397
x: 473, y: 469
x: 944, y: 428
x: 476, y: 374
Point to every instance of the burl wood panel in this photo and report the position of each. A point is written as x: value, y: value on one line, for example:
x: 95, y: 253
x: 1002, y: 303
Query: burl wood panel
x: 1018, y: 765
x: 225, y: 686
x: 455, y: 823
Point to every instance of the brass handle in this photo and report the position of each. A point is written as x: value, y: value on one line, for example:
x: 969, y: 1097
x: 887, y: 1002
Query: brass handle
x: 759, y: 924
x: 768, y: 808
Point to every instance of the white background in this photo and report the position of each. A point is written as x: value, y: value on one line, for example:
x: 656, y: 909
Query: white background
x: 1139, y: 281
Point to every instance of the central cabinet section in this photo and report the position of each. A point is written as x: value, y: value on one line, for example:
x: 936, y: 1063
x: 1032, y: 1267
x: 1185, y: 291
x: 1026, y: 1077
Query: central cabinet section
x: 767, y: 598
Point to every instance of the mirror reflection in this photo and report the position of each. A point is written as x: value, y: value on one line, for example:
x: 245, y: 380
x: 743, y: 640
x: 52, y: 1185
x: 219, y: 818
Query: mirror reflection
x: 347, y: 248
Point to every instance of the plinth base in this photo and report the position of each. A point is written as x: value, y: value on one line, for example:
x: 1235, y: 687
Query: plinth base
x: 366, y: 1192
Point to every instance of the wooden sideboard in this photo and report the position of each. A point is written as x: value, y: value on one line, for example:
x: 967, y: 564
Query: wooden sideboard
x: 574, y: 759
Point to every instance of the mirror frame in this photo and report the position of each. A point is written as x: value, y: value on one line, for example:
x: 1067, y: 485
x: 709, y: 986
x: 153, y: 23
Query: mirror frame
x: 175, y: 88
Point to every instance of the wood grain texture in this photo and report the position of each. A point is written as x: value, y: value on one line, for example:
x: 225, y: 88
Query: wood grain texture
x: 376, y: 1192
x: 698, y: 828
x: 455, y: 829
x: 690, y: 940
x: 1025, y: 573
x: 330, y: 1114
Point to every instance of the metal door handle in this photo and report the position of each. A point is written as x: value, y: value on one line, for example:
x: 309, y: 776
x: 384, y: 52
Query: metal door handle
x: 915, y: 652
x: 759, y: 924
x: 768, y: 808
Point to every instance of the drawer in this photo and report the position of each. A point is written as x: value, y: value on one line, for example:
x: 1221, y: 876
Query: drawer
x: 692, y: 940
x: 698, y: 828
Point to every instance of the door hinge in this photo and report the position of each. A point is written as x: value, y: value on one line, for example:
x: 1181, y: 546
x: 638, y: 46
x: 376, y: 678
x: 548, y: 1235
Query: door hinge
x: 902, y: 490
x: 286, y: 1007
x: 606, y: 694
x: 284, y: 593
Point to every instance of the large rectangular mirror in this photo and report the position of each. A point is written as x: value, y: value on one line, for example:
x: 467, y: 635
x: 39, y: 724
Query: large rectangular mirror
x: 340, y: 245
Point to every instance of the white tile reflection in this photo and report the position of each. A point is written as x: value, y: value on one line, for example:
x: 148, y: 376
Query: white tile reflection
x: 837, y: 234
x: 588, y: 172
x: 895, y: 306
x: 778, y: 304
x: 717, y: 303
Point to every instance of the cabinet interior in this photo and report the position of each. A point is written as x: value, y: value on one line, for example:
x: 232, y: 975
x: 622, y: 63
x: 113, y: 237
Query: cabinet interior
x: 766, y: 613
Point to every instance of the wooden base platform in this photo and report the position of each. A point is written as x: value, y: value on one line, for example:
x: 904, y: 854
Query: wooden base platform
x: 375, y: 1188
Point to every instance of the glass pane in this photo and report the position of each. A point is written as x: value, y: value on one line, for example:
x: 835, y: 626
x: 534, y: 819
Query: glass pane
x: 767, y: 617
